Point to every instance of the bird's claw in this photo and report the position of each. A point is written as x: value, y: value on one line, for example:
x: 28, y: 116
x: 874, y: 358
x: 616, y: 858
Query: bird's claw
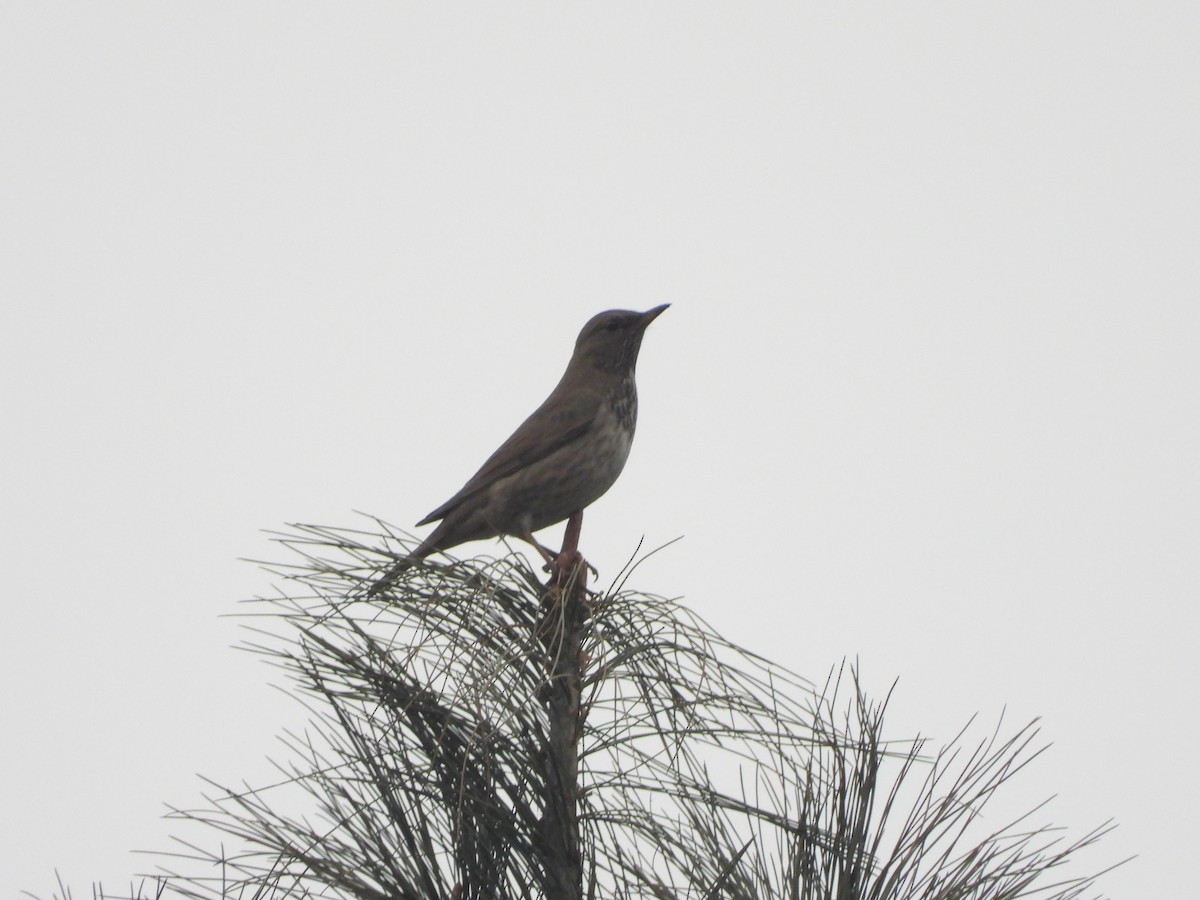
x: 563, y: 565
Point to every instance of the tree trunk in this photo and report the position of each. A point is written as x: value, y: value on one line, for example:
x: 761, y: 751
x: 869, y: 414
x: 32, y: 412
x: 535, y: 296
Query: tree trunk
x: 562, y: 634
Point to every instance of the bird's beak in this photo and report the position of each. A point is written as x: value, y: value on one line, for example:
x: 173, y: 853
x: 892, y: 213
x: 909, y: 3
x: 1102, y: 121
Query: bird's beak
x: 651, y: 314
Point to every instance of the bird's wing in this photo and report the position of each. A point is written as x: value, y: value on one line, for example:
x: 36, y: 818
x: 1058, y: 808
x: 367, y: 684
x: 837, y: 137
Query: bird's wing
x: 563, y: 418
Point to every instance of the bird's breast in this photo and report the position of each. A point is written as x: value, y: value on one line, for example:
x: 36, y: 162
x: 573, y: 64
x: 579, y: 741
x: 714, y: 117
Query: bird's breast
x: 624, y: 406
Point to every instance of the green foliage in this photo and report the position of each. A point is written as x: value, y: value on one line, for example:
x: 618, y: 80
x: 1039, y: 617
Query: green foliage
x: 704, y: 770
x: 433, y: 760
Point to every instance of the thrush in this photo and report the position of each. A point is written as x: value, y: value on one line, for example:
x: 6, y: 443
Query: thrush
x: 562, y: 458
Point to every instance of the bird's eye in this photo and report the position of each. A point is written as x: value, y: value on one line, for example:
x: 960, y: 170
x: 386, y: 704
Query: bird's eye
x: 612, y: 326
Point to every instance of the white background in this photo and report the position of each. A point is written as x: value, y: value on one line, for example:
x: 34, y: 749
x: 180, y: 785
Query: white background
x: 927, y: 394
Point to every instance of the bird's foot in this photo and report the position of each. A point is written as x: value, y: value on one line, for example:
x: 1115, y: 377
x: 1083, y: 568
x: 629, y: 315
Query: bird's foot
x: 563, y: 567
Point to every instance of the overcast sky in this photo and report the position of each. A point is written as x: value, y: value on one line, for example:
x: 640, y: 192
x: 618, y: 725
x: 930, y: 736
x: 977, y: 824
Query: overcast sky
x: 927, y: 394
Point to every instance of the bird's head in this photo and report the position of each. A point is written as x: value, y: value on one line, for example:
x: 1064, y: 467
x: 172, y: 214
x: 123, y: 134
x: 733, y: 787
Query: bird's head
x: 611, y: 340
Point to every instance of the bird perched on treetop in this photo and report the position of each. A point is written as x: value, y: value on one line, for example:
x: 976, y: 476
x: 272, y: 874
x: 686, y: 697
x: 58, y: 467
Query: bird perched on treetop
x: 562, y: 458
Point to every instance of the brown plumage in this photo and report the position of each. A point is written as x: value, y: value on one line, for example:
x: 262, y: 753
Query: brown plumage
x: 563, y: 457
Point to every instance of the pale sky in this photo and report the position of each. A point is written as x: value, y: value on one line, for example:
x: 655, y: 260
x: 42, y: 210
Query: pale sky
x: 928, y: 394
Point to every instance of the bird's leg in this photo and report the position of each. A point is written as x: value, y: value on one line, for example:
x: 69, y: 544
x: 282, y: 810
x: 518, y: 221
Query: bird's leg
x: 546, y: 552
x: 569, y: 556
x: 571, y: 535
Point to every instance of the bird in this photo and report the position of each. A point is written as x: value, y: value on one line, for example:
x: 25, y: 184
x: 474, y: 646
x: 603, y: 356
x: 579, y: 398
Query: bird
x: 561, y: 459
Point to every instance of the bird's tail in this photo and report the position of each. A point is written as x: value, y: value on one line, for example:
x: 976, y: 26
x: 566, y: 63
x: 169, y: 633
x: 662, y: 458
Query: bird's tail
x: 389, y: 577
